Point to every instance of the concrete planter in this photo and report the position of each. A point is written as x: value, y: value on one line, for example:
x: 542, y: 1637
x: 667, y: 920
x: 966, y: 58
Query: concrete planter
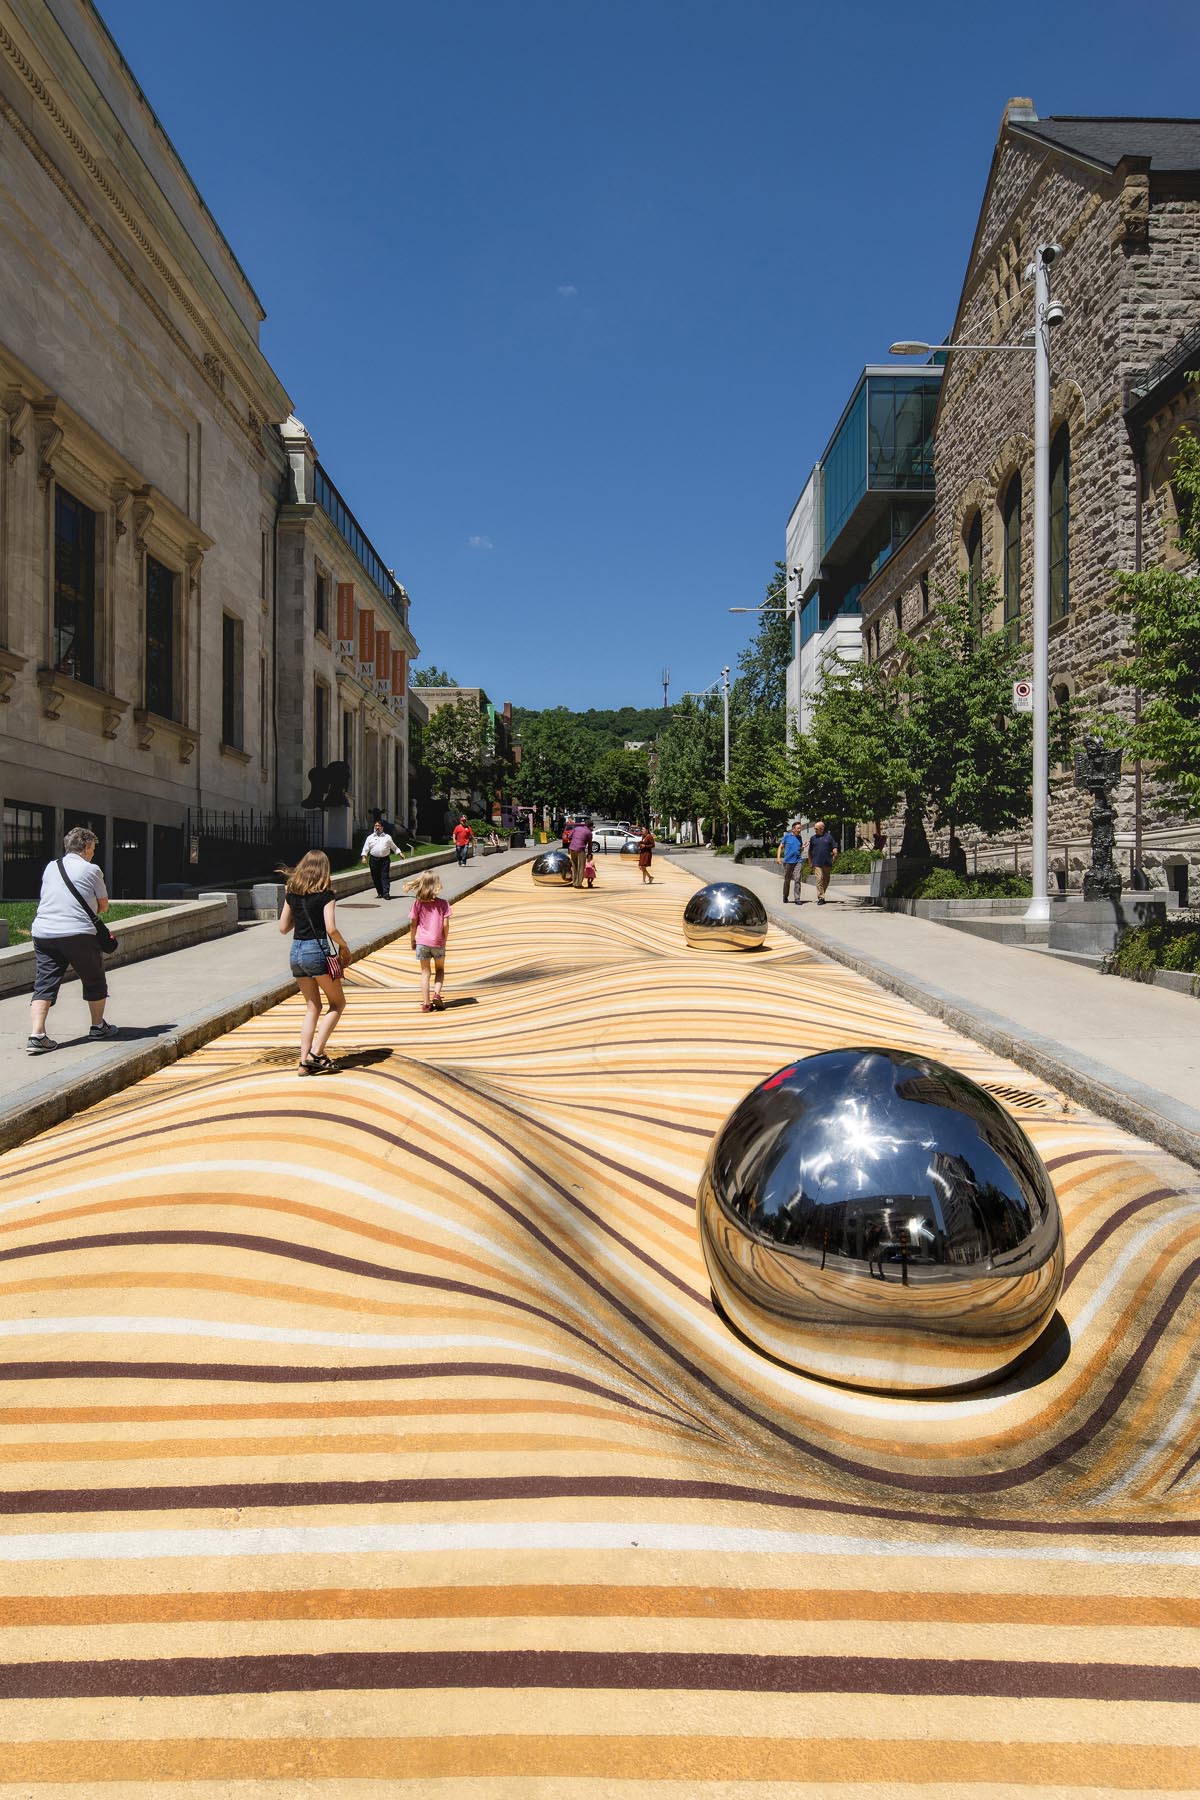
x: 172, y: 926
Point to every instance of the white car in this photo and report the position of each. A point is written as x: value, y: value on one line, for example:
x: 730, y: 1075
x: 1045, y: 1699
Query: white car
x: 608, y: 837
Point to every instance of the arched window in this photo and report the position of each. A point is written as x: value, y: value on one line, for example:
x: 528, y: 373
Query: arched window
x: 1060, y: 524
x: 1011, y: 514
x: 973, y: 543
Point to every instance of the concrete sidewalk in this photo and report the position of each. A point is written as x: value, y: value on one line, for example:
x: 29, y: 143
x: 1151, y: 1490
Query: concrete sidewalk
x: 1131, y: 1052
x: 173, y: 1003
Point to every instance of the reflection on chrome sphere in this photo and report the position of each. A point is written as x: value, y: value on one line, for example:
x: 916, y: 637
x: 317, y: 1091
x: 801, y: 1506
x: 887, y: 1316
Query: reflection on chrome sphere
x: 724, y: 916
x: 876, y: 1218
x: 552, y: 868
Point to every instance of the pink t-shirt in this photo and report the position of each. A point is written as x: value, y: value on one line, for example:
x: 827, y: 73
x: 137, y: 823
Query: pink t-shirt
x: 432, y: 917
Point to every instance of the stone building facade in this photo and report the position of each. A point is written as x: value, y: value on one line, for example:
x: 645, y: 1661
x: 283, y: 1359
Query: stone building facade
x: 345, y: 639
x: 144, y: 674
x: 1122, y: 198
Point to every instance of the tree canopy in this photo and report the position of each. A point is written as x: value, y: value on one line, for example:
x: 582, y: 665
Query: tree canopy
x: 1164, y: 661
x: 453, y: 748
x: 432, y: 676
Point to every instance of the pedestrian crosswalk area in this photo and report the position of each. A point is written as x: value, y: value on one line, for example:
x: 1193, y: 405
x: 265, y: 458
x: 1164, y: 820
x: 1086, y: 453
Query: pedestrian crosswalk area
x: 375, y: 1434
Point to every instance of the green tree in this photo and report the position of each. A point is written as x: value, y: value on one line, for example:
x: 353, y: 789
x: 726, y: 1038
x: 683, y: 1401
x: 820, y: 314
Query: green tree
x: 557, y: 758
x: 760, y: 685
x: 1164, y: 660
x: 454, y: 749
x: 850, y: 765
x: 688, y: 775
x: 432, y: 676
x: 620, y: 783
x: 757, y: 775
x: 967, y: 753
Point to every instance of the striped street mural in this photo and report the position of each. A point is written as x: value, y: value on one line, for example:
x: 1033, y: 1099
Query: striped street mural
x: 375, y: 1435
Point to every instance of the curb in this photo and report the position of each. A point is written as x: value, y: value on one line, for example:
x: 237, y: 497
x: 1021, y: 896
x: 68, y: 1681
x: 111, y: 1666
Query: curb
x: 1131, y: 1104
x: 49, y: 1102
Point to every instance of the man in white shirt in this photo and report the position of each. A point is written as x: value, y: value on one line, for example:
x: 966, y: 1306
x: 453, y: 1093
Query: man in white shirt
x: 378, y: 852
x: 64, y: 937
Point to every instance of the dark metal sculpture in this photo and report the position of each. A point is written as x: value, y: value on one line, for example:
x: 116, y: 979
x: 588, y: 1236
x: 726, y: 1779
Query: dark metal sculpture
x: 1097, y: 772
x: 552, y: 869
x: 724, y: 916
x: 328, y: 785
x: 876, y: 1218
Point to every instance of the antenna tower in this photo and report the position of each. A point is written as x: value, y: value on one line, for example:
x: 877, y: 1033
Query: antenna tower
x: 666, y: 678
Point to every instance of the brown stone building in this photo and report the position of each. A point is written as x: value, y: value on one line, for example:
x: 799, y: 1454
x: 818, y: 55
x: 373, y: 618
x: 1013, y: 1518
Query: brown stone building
x: 1122, y: 198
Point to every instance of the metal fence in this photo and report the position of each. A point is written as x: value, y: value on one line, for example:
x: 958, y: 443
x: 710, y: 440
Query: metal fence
x: 233, y: 846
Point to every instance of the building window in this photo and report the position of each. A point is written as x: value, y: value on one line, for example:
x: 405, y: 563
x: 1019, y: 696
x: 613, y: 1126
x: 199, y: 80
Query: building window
x: 973, y: 543
x: 898, y: 617
x: 320, y: 723
x: 265, y: 553
x: 231, y: 682
x: 924, y: 585
x: 264, y: 711
x: 1011, y: 514
x: 74, y: 588
x: 348, y: 739
x: 1060, y: 524
x: 162, y: 588
x: 321, y: 605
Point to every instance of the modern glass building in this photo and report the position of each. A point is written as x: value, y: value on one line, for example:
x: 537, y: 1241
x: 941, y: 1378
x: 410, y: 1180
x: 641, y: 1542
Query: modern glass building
x: 879, y: 467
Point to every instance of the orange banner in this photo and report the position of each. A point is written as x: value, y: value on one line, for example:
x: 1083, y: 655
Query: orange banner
x: 345, y: 611
x: 399, y: 672
x: 366, y: 635
x: 383, y: 657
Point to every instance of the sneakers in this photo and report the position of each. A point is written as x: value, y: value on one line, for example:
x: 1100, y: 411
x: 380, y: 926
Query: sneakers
x: 38, y: 1046
x: 101, y: 1031
x: 439, y: 1005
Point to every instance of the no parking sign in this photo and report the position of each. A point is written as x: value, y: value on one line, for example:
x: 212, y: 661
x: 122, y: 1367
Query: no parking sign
x: 1023, y: 696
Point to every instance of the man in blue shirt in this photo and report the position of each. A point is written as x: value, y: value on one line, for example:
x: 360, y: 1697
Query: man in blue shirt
x: 822, y: 854
x: 789, y: 853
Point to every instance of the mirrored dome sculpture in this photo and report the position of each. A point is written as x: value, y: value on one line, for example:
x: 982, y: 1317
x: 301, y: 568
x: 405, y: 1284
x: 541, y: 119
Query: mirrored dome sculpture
x: 875, y: 1218
x: 552, y: 868
x: 724, y: 916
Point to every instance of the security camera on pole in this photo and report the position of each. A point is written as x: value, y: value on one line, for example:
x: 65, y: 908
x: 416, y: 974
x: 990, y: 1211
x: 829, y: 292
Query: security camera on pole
x: 1046, y: 314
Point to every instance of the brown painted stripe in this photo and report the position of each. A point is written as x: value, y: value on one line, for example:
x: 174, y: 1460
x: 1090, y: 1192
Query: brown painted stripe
x: 641, y: 1671
x: 607, y: 1601
x: 326, y: 1259
x: 442, y: 1491
x: 1113, y: 1224
x: 344, y: 1372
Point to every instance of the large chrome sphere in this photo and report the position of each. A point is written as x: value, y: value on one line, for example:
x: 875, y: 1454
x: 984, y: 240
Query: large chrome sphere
x: 876, y: 1218
x: 724, y: 916
x: 552, y: 868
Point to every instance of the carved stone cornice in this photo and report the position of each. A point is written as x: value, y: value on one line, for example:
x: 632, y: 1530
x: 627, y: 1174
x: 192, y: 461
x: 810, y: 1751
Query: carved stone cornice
x: 49, y: 437
x: 20, y: 414
x: 54, y: 688
x: 11, y: 665
x: 129, y: 219
x: 193, y: 562
x: 149, y: 725
x: 143, y: 519
x: 122, y: 496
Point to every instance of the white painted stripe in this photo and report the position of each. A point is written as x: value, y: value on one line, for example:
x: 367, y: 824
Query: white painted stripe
x: 1079, y: 1324
x: 440, y: 1538
x: 1168, y: 1440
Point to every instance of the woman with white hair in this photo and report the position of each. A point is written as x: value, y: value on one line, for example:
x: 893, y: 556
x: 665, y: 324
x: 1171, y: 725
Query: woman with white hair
x: 64, y: 937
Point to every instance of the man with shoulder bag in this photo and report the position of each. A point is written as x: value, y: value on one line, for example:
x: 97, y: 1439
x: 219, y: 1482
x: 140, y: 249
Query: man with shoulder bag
x: 68, y: 933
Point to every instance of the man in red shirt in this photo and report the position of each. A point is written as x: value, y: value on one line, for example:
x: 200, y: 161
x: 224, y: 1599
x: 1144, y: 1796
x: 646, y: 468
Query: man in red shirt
x: 463, y: 837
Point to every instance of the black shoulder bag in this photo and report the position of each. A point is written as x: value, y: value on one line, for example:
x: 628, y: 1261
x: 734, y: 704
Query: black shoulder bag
x: 104, y: 936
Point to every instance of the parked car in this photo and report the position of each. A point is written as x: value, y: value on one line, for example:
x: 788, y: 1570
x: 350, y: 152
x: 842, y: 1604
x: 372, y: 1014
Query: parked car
x: 608, y: 837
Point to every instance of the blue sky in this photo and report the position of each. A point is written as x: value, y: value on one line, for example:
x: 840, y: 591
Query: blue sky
x: 570, y: 293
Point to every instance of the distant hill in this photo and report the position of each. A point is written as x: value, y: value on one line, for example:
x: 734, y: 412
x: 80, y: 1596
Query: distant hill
x: 610, y: 729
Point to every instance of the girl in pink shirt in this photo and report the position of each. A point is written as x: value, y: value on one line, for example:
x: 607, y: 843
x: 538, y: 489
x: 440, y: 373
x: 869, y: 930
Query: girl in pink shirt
x: 428, y: 931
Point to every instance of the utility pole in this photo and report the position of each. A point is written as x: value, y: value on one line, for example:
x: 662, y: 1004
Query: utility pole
x: 725, y: 698
x: 666, y: 677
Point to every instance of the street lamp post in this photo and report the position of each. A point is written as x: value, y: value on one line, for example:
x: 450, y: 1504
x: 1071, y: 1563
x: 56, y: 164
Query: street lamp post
x: 1046, y: 313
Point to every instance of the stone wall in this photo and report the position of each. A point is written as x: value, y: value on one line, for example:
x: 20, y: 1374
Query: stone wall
x: 1129, y: 281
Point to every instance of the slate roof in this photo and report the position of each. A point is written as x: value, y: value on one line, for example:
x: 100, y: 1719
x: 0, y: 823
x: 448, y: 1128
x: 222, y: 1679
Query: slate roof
x: 1173, y: 145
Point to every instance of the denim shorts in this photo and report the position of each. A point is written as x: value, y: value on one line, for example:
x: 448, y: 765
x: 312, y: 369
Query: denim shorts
x: 308, y: 958
x: 431, y: 952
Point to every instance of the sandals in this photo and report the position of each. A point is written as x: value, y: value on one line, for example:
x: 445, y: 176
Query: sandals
x: 439, y: 1005
x: 315, y: 1065
x: 427, y: 1006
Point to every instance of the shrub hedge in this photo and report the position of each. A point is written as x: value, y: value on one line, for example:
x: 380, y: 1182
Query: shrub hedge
x: 944, y: 884
x: 1173, y: 945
